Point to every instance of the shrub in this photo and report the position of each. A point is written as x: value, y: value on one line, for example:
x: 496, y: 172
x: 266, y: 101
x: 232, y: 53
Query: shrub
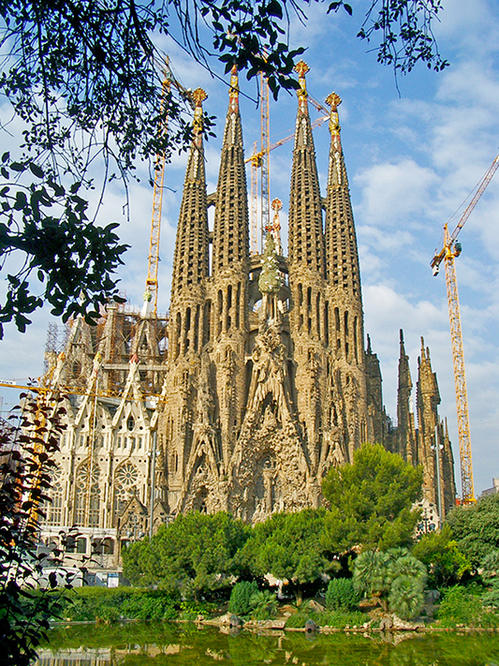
x: 338, y: 619
x: 341, y: 594
x: 463, y: 606
x: 240, y: 597
x: 263, y: 605
x: 395, y: 578
x: 406, y: 597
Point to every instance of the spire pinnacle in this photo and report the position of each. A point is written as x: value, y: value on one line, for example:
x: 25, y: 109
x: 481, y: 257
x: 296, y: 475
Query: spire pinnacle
x: 198, y: 96
x: 301, y: 68
x: 234, y: 89
x: 333, y: 100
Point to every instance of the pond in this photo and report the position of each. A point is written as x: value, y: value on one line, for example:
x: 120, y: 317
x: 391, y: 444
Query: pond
x: 150, y: 644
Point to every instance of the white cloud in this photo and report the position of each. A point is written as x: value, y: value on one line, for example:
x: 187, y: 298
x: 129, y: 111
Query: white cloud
x: 393, y: 191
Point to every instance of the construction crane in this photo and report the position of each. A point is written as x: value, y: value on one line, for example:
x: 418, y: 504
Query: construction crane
x: 256, y: 159
x: 451, y: 249
x: 150, y: 307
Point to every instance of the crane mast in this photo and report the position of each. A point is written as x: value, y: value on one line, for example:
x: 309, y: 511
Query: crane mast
x: 450, y: 250
x: 151, y: 293
x: 265, y: 150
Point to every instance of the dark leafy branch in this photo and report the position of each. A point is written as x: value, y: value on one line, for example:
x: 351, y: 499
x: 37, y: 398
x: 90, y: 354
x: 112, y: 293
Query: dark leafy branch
x: 84, y: 77
x: 26, y: 467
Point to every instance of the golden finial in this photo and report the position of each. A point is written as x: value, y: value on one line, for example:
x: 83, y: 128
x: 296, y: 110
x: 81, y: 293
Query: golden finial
x: 333, y: 100
x: 198, y: 96
x: 301, y: 68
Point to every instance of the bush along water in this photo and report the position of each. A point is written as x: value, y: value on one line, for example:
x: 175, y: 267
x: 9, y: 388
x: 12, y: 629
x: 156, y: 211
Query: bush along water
x: 342, y: 595
x: 466, y: 607
x: 395, y: 579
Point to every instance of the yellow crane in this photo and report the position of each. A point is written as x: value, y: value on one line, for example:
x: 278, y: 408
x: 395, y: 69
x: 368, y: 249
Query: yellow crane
x: 450, y: 250
x: 257, y: 159
x: 151, y: 293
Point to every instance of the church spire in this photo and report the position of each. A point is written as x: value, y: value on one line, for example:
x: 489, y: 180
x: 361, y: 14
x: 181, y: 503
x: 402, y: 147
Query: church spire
x: 341, y: 241
x: 230, y: 235
x: 405, y: 417
x: 306, y: 239
x: 190, y: 263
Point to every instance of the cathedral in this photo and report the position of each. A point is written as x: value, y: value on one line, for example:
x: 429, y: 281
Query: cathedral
x: 257, y: 381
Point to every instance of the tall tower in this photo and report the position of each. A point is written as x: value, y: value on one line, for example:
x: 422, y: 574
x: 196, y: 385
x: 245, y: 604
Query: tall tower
x: 188, y: 316
x: 230, y: 275
x: 433, y: 445
x: 405, y: 437
x: 344, y: 299
x: 307, y: 269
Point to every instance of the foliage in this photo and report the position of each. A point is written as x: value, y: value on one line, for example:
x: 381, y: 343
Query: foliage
x: 263, y: 605
x: 194, y: 555
x: 288, y: 546
x: 446, y: 564
x: 330, y: 618
x: 103, y: 604
x: 341, y: 594
x: 462, y: 606
x: 370, y: 501
x: 476, y: 529
x: 73, y: 258
x: 82, y: 80
x: 240, y: 597
x: 395, y: 578
x: 25, y: 471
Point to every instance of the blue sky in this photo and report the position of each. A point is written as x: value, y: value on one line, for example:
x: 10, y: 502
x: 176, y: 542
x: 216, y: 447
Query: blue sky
x: 412, y: 160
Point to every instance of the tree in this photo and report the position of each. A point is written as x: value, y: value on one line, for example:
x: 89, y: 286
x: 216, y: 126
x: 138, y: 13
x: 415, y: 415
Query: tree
x: 194, y: 555
x: 446, y: 564
x: 371, y: 501
x: 82, y: 78
x: 476, y: 529
x: 288, y: 546
x: 394, y: 578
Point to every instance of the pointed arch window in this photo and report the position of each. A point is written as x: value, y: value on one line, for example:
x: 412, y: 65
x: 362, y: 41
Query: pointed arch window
x: 125, y: 483
x: 87, y: 496
x: 54, y: 505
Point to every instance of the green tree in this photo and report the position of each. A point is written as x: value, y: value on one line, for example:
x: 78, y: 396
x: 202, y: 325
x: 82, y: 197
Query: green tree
x: 288, y: 546
x: 446, y: 564
x: 82, y: 78
x: 371, y: 501
x: 194, y: 555
x: 394, y: 578
x: 476, y: 529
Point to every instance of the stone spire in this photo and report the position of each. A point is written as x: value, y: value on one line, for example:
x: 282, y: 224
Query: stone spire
x: 341, y: 242
x: 190, y: 264
x: 428, y: 398
x: 230, y: 236
x: 306, y: 239
x: 405, y: 416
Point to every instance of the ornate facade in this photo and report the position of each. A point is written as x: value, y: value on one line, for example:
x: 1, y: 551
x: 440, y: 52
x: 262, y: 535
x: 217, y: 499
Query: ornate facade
x: 256, y: 384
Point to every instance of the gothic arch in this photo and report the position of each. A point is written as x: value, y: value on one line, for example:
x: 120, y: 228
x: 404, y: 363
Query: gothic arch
x: 126, y: 480
x: 87, y: 495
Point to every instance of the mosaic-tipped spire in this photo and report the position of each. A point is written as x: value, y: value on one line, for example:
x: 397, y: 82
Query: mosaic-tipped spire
x: 341, y: 241
x: 306, y: 238
x: 190, y: 263
x: 230, y: 234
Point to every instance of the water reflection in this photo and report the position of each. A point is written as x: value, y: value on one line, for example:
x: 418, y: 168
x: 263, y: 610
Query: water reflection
x: 163, y: 644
